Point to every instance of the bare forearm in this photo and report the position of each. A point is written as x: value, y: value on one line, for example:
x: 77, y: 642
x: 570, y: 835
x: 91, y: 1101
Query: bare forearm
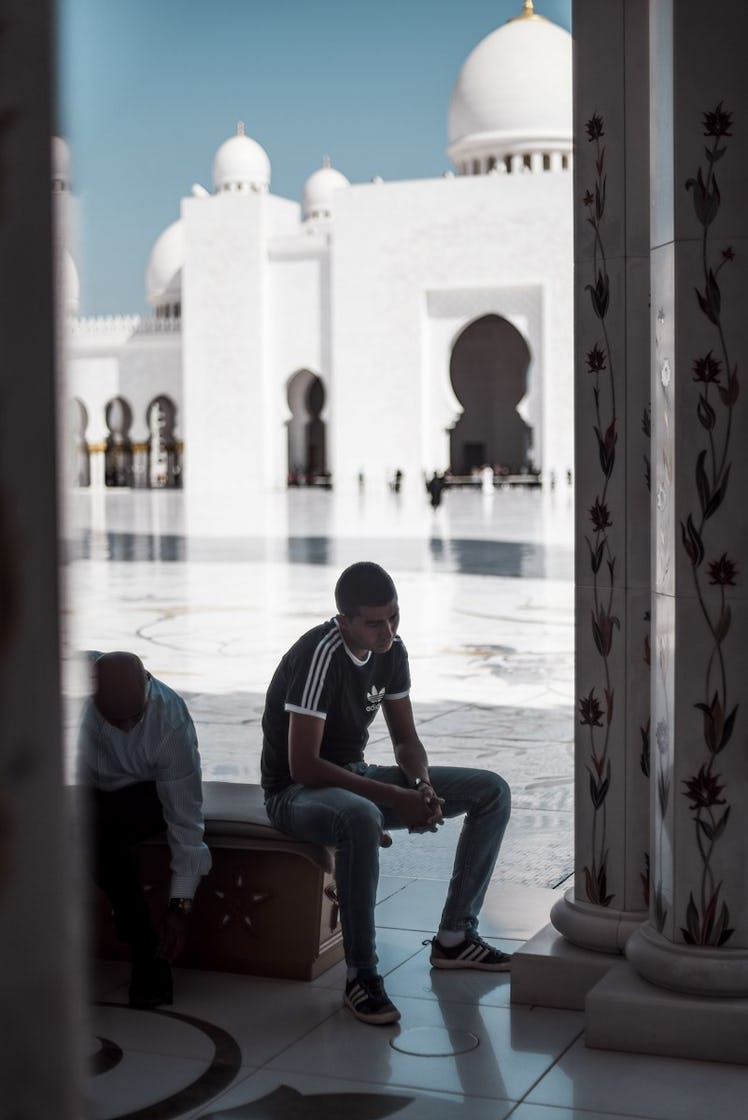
x: 412, y: 759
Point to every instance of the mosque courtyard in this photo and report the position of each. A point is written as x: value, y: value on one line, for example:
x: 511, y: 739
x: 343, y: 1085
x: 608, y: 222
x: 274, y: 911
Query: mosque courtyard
x: 210, y: 600
x: 210, y: 597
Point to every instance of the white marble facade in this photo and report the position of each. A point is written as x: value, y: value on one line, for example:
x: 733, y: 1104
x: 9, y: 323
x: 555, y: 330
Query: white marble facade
x: 365, y: 291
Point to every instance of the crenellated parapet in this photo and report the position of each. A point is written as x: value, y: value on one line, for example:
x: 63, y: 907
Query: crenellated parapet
x: 118, y: 329
x: 159, y: 325
x: 98, y: 327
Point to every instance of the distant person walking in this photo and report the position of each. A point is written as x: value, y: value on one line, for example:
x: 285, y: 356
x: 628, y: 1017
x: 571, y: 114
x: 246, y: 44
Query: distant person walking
x: 435, y: 487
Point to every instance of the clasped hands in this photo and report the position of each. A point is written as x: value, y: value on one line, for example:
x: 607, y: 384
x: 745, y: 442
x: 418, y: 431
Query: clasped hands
x: 422, y: 811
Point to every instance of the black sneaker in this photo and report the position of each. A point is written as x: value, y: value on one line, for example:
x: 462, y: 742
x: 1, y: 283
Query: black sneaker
x: 368, y: 1000
x: 473, y: 952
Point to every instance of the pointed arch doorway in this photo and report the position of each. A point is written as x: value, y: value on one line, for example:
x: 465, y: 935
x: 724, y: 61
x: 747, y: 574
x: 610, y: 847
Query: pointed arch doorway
x: 307, y: 436
x: 488, y: 371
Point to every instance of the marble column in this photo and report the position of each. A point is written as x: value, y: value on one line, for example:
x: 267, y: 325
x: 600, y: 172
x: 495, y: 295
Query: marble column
x: 699, y: 296
x: 684, y: 991
x: 40, y: 1054
x: 591, y: 923
x: 612, y: 478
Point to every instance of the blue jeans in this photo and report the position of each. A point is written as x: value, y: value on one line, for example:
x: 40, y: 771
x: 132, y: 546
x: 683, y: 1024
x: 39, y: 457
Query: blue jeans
x: 353, y: 826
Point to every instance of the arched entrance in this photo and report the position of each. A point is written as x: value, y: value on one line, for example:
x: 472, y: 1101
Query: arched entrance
x: 164, y: 468
x: 118, y: 453
x: 307, y: 456
x: 488, y: 371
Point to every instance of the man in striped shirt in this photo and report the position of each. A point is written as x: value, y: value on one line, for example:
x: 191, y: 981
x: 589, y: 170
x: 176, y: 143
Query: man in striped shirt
x: 139, y: 763
x: 321, y: 700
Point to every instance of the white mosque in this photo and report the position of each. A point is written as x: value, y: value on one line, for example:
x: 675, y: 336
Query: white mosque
x: 373, y: 327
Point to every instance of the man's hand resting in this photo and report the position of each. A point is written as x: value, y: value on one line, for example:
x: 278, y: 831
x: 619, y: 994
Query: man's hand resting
x: 173, y: 933
x: 419, y: 809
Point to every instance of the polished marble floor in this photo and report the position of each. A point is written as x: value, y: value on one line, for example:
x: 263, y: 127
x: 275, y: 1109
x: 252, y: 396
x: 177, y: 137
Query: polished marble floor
x: 242, y: 1048
x: 486, y: 605
x: 209, y: 597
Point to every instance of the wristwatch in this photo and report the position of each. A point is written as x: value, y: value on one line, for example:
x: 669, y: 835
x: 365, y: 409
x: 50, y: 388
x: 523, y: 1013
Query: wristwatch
x: 180, y: 906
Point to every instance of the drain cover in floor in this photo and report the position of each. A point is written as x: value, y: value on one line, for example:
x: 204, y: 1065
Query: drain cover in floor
x: 434, y: 1042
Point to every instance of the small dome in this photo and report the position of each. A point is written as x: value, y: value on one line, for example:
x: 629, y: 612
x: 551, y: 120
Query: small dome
x: 319, y: 190
x: 241, y: 164
x: 62, y: 164
x: 163, y: 277
x: 514, y: 91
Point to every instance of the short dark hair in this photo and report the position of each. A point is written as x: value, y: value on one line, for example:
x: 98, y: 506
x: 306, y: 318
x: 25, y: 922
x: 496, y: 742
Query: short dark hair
x: 364, y: 584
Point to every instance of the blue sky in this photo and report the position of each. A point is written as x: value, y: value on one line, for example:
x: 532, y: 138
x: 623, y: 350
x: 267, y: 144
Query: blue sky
x: 148, y: 89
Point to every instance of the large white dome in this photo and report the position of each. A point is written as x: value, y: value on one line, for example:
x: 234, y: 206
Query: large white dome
x: 241, y: 164
x: 163, y: 276
x: 319, y: 191
x: 513, y: 94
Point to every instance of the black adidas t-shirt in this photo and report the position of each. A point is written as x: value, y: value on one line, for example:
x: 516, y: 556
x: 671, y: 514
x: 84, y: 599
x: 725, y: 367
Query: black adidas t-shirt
x: 319, y: 676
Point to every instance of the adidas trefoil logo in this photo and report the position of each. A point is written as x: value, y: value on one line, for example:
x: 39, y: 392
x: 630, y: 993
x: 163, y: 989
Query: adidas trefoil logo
x: 374, y: 696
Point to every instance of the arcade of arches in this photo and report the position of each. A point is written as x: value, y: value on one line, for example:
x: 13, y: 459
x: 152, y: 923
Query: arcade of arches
x: 488, y: 371
x: 155, y: 463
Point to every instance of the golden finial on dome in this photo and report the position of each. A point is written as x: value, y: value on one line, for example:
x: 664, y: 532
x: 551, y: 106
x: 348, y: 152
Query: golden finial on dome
x: 240, y: 128
x: 528, y: 12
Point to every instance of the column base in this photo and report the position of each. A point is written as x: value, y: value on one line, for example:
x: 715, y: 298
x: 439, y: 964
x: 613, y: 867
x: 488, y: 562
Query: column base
x: 694, y: 970
x: 625, y: 1012
x: 595, y: 927
x: 548, y: 971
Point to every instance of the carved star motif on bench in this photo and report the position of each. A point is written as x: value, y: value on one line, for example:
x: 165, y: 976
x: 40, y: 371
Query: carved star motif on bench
x: 239, y: 901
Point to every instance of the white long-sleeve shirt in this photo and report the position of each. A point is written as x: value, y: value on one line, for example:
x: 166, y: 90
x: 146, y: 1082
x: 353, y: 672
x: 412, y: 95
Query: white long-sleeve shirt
x: 161, y: 748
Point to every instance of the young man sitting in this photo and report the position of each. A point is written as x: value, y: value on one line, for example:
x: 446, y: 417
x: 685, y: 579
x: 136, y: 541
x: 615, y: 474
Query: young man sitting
x: 325, y: 692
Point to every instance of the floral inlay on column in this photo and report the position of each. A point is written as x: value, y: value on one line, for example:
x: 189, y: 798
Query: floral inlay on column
x: 707, y: 918
x: 601, y: 557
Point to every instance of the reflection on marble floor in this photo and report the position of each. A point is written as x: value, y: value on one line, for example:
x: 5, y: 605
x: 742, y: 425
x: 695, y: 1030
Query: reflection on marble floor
x: 493, y: 684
